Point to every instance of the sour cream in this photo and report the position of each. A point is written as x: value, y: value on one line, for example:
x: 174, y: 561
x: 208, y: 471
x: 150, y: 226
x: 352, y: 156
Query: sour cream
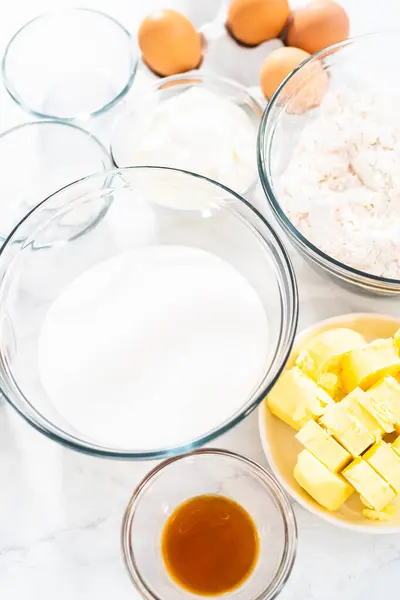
x: 195, y: 130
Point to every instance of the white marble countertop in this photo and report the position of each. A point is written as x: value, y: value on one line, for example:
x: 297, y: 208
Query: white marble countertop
x: 60, y: 512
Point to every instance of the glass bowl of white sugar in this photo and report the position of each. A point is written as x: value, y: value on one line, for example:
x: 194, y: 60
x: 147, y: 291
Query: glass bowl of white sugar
x: 330, y: 168
x: 197, y: 121
x: 154, y: 332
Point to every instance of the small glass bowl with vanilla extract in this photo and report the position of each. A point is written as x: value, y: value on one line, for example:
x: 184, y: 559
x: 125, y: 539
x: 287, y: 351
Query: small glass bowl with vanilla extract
x: 210, y: 523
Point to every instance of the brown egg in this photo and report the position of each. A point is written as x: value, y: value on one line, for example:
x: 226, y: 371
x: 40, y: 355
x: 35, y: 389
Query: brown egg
x: 318, y: 25
x: 254, y: 21
x: 169, y: 43
x: 306, y: 88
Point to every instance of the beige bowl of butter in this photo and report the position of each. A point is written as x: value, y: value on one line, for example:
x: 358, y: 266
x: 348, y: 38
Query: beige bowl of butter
x: 282, y: 448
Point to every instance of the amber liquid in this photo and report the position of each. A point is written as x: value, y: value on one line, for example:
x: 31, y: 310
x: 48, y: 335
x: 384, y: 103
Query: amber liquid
x: 210, y: 545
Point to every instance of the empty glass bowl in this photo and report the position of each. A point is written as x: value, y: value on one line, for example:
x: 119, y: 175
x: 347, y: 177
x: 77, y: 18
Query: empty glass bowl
x: 364, y: 66
x: 38, y: 159
x: 69, y: 64
x: 143, y: 135
x: 135, y: 217
x: 202, y: 472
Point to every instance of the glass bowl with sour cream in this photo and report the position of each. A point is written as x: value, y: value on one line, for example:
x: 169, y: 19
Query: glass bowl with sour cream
x: 199, y: 122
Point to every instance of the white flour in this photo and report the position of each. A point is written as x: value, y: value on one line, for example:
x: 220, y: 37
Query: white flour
x: 154, y: 347
x: 342, y: 186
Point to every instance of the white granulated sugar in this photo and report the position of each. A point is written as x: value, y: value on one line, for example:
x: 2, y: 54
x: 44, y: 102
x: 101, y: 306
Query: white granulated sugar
x: 341, y: 188
x: 153, y: 348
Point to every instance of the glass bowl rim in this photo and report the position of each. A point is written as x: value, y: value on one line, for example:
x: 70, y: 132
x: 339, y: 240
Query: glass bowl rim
x: 265, y: 137
x: 194, y: 76
x: 58, y: 123
x: 8, y: 83
x: 46, y: 427
x: 284, y: 506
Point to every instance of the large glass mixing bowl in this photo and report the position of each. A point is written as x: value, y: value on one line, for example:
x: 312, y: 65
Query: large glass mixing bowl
x: 363, y: 66
x: 145, y: 207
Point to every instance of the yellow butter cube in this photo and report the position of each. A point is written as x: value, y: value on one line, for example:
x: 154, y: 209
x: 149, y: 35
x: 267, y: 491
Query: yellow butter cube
x: 381, y: 401
x: 346, y: 429
x: 321, y: 352
x: 296, y: 398
x: 369, y: 484
x: 386, y: 393
x: 396, y: 339
x: 365, y: 502
x: 386, y: 463
x: 332, y: 384
x: 396, y: 445
x: 323, y: 446
x: 329, y: 489
x: 365, y: 366
x: 352, y: 403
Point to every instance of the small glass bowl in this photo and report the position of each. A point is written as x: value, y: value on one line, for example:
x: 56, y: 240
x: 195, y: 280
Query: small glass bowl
x: 209, y: 471
x: 69, y: 64
x: 37, y: 263
x: 281, y: 127
x: 38, y: 159
x: 131, y: 122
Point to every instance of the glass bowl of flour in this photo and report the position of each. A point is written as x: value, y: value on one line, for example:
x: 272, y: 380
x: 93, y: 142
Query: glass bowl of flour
x: 331, y: 174
x: 199, y: 122
x: 157, y: 330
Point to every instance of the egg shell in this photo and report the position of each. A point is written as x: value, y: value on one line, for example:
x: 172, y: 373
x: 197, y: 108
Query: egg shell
x: 252, y: 22
x: 317, y: 26
x: 307, y: 87
x: 169, y: 43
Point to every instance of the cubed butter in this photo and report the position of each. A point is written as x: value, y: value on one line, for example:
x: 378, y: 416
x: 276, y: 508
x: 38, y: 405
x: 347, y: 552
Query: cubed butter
x: 321, y: 352
x: 365, y: 366
x: 332, y: 384
x: 378, y: 401
x: 386, y: 395
x: 323, y: 446
x: 396, y: 445
x: 396, y: 339
x: 386, y: 463
x: 296, y: 398
x: 352, y: 403
x: 365, y: 502
x: 369, y: 484
x: 329, y: 489
x: 346, y: 429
